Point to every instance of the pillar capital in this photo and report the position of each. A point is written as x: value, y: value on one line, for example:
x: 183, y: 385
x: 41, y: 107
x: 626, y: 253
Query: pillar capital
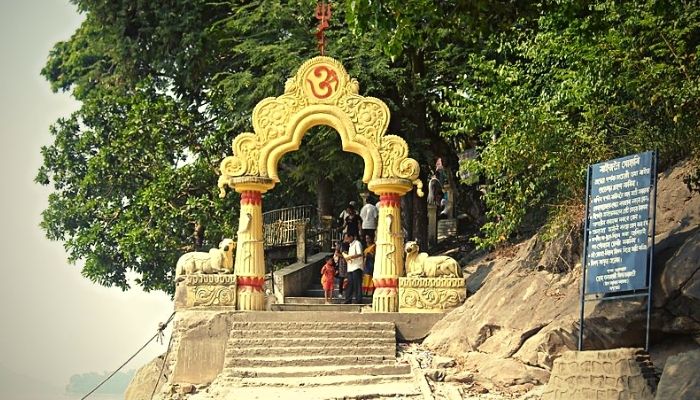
x: 251, y: 184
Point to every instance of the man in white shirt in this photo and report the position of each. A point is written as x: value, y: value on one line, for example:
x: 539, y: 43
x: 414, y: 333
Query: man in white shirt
x: 369, y: 215
x: 355, y: 260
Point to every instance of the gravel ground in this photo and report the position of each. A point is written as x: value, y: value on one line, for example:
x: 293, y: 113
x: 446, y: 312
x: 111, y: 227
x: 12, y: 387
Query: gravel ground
x: 453, y: 383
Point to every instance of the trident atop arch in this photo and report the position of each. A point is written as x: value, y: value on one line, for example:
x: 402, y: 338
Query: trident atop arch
x: 323, y: 15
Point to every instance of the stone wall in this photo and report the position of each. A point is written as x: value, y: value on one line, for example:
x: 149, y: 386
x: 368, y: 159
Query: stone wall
x: 294, y: 279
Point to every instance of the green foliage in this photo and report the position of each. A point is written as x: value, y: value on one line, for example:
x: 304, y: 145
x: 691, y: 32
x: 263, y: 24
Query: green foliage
x: 571, y: 84
x: 164, y: 87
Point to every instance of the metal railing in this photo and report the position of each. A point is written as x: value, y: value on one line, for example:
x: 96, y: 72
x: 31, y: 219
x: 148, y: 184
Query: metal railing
x: 279, y: 226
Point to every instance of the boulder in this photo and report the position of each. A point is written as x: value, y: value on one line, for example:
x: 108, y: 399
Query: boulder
x: 680, y: 379
x: 143, y: 382
x: 525, y: 303
x: 443, y: 362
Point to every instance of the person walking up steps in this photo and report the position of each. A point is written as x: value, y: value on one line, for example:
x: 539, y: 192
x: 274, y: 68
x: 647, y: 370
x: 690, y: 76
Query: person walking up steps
x: 353, y: 222
x: 342, y: 265
x: 355, y: 260
x: 369, y: 215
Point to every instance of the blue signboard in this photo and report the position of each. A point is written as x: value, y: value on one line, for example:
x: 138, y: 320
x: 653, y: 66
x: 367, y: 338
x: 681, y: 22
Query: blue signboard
x: 619, y: 224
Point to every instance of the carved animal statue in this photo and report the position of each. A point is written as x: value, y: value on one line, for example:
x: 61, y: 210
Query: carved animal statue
x: 216, y: 261
x: 423, y: 265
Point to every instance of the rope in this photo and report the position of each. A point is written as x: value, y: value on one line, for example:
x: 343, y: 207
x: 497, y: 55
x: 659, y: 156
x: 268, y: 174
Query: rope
x: 162, y: 366
x: 161, y: 326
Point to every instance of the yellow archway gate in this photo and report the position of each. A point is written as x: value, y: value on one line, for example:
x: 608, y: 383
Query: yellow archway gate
x: 320, y: 93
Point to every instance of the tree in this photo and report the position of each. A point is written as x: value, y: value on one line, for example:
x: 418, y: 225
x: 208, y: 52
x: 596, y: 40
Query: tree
x: 570, y: 84
x: 164, y: 87
x: 432, y: 39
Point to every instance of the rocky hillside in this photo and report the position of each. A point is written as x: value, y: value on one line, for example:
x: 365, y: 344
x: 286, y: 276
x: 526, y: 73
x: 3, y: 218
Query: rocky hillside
x: 525, y: 308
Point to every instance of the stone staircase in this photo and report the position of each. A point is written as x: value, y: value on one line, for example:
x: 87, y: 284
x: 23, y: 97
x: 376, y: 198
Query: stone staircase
x: 313, y: 300
x: 312, y: 359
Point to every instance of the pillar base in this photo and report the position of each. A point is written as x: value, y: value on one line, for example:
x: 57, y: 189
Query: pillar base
x: 386, y: 295
x: 250, y: 296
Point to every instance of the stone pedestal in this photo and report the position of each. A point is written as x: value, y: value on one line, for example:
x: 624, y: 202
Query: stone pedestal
x: 300, y: 228
x: 618, y: 374
x: 431, y: 294
x: 206, y: 291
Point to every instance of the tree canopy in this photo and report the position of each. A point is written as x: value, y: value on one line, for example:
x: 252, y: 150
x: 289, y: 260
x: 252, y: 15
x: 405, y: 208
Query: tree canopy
x: 164, y: 87
x: 569, y: 84
x: 538, y: 89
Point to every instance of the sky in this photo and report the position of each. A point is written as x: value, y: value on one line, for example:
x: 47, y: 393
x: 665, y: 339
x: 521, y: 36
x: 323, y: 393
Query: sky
x: 53, y: 322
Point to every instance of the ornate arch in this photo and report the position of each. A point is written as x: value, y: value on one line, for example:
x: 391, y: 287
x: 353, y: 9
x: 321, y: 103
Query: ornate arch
x: 321, y: 93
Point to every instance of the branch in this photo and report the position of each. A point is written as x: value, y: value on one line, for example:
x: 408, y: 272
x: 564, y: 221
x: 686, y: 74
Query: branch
x: 678, y: 59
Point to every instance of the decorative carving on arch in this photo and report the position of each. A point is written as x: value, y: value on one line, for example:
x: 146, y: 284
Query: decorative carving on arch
x: 321, y: 93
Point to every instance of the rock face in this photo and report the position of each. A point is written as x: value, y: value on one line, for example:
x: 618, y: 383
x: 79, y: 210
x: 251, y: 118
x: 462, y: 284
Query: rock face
x: 680, y: 379
x: 621, y: 374
x: 525, y: 311
x: 144, y: 381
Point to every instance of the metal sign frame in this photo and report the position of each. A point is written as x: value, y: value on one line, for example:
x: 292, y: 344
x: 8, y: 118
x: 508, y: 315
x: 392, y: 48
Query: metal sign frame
x: 645, y: 292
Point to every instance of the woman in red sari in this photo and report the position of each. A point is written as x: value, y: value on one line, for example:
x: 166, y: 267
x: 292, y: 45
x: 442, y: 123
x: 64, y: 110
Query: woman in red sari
x: 367, y: 284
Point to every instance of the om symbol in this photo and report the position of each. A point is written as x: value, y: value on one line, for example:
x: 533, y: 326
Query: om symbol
x: 327, y: 83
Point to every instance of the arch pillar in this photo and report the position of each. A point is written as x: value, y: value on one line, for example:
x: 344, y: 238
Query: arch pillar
x: 250, y: 255
x: 389, y: 263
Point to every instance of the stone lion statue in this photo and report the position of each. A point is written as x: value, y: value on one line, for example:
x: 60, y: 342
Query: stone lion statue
x: 422, y: 265
x: 216, y: 261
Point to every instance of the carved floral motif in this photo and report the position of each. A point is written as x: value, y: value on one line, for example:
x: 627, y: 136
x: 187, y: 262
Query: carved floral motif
x: 430, y: 294
x: 323, y: 83
x: 214, y: 296
x: 206, y: 291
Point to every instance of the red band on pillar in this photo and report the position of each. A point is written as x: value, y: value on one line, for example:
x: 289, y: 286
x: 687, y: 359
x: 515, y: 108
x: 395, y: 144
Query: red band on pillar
x: 386, y: 283
x: 390, y: 199
x: 254, y: 283
x: 251, y: 197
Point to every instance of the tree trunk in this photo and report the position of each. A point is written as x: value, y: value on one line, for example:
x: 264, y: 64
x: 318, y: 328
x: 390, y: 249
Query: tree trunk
x: 419, y: 214
x: 324, y: 199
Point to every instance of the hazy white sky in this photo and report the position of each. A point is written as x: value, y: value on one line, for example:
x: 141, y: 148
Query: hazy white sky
x: 53, y: 322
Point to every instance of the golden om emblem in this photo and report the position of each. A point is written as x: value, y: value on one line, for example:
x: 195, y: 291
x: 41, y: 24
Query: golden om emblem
x: 325, y: 81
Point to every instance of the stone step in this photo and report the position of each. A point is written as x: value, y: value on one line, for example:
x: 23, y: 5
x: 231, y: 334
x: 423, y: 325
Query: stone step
x: 312, y: 334
x: 280, y: 326
x: 304, y: 361
x: 297, y: 371
x: 310, y: 299
x: 319, y: 292
x: 328, y: 380
x: 352, y: 308
x: 239, y: 343
x: 310, y: 350
x: 364, y: 392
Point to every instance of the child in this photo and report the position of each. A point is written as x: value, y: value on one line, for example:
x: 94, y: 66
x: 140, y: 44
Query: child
x: 327, y: 278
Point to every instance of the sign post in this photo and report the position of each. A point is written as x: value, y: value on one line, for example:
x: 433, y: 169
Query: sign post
x: 619, y: 231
